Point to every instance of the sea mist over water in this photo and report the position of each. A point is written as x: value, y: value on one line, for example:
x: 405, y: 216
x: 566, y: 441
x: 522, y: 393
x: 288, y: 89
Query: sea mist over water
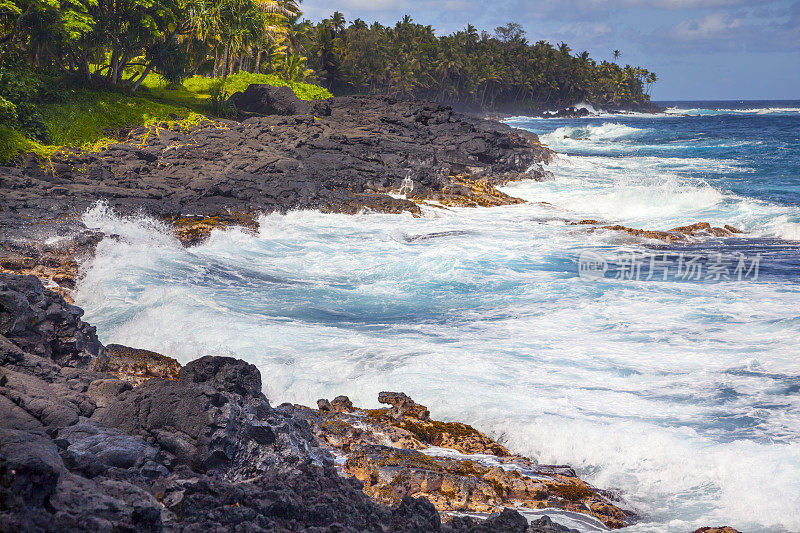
x: 684, y: 395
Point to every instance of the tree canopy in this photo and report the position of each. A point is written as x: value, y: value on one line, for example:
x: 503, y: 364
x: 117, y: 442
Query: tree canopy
x: 483, y: 70
x: 119, y: 42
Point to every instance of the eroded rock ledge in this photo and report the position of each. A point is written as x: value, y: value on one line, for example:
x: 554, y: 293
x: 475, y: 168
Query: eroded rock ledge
x: 354, y: 155
x: 346, y: 155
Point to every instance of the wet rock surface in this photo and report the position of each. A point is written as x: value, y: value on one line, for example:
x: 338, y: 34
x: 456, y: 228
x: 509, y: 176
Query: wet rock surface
x: 135, y: 366
x: 679, y: 234
x: 343, y: 155
x: 82, y: 450
x: 54, y: 260
x: 400, y: 452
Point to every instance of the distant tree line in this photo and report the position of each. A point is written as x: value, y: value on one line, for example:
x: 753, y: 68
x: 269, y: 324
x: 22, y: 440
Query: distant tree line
x: 470, y: 68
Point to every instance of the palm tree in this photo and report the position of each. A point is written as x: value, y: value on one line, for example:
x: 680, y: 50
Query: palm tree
x: 650, y: 79
x: 294, y: 68
x: 297, y: 32
x: 616, y: 54
x: 270, y: 56
x: 338, y: 21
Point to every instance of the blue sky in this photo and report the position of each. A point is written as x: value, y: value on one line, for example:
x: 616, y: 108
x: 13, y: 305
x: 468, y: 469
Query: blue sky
x: 701, y: 49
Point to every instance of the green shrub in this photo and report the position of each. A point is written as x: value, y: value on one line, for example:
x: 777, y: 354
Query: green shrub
x: 8, y: 112
x: 20, y: 88
x: 220, y: 104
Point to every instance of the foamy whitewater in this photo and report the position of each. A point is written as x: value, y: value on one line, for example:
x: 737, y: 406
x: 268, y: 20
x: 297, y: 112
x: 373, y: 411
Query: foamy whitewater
x: 684, y: 395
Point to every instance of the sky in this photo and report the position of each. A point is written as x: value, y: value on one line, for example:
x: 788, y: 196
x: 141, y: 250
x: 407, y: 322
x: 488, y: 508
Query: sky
x: 700, y: 49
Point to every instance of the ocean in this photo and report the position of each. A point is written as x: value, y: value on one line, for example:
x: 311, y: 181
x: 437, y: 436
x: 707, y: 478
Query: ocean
x: 667, y: 371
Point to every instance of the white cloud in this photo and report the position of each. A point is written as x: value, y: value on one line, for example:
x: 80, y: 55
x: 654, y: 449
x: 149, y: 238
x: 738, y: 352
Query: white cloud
x: 572, y: 7
x: 712, y: 26
x: 586, y: 30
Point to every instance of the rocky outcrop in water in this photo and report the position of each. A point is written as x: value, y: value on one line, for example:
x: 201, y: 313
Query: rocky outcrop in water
x: 82, y: 450
x: 399, y: 452
x: 679, y: 234
x: 567, y: 112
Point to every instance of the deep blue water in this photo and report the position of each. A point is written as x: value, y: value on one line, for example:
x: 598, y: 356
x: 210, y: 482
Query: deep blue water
x: 744, y: 150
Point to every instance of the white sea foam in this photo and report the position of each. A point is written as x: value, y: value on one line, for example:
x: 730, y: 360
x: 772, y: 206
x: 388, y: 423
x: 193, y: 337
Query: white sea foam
x: 605, y: 132
x: 627, y: 383
x: 589, y: 107
x: 733, y: 111
x: 654, y: 193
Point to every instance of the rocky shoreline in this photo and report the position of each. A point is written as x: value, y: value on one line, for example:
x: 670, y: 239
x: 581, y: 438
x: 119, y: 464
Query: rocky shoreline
x: 347, y: 155
x: 110, y: 437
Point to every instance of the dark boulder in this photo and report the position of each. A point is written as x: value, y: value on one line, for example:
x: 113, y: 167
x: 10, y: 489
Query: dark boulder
x: 269, y: 100
x: 30, y: 468
x: 224, y: 374
x: 342, y: 404
x: 508, y: 521
x: 214, y: 419
x: 416, y: 515
x: 40, y: 321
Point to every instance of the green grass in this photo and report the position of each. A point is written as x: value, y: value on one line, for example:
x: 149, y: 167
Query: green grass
x: 92, y: 119
x: 13, y: 142
x: 192, y: 94
x: 94, y: 116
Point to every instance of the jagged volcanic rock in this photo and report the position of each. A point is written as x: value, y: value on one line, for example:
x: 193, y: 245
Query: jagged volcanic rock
x: 41, y: 322
x: 400, y: 452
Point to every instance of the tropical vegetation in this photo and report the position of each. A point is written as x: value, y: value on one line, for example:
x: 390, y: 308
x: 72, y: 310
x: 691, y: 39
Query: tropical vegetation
x: 125, y: 62
x: 481, y: 70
